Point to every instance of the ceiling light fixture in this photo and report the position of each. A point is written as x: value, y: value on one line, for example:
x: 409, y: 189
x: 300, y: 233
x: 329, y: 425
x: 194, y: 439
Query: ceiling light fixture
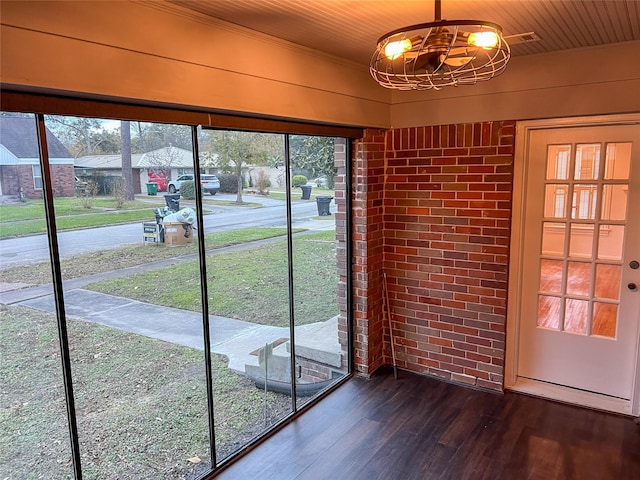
x: 439, y: 54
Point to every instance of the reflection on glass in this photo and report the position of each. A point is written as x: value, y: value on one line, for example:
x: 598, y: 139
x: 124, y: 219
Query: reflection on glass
x: 553, y: 238
x: 614, y: 202
x: 558, y: 157
x: 578, y: 278
x: 549, y: 311
x: 555, y: 201
x: 551, y: 276
x: 605, y: 319
x: 610, y: 242
x: 575, y: 316
x: 584, y: 201
x: 581, y: 240
x: 608, y: 281
x: 34, y: 435
x: 618, y: 161
x: 587, y: 161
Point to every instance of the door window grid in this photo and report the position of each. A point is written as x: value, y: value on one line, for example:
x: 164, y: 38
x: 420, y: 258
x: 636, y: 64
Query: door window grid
x: 570, y: 310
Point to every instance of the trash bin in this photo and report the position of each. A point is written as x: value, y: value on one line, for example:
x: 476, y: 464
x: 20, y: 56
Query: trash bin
x: 173, y: 201
x: 152, y: 188
x: 323, y: 202
x: 306, y: 192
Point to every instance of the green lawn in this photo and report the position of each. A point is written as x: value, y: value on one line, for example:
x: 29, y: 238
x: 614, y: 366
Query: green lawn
x: 34, y: 209
x: 250, y: 284
x: 140, y: 403
x: 109, y: 260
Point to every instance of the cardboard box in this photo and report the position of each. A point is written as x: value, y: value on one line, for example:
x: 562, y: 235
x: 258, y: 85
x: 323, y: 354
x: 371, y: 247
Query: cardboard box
x: 176, y: 233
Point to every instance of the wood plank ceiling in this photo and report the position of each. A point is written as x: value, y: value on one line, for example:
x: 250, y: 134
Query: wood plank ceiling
x: 350, y: 28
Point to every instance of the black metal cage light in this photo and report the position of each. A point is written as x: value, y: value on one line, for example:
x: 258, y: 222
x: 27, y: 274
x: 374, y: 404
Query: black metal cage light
x: 439, y: 54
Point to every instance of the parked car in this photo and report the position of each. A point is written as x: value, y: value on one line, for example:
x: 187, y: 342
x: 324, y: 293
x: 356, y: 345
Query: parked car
x: 174, y: 185
x: 210, y: 183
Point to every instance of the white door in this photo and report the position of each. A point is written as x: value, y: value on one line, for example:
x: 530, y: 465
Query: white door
x: 580, y: 276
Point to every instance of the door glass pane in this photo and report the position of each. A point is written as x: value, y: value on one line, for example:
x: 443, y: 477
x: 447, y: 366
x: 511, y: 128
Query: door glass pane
x: 551, y: 276
x: 587, y: 161
x: 581, y: 240
x: 614, y: 202
x: 553, y: 238
x: 610, y: 242
x: 608, y: 281
x: 549, y: 311
x: 558, y: 158
x: 583, y: 205
x: 34, y: 434
x: 575, y: 316
x: 618, y: 161
x: 578, y: 278
x: 605, y: 319
x: 555, y: 201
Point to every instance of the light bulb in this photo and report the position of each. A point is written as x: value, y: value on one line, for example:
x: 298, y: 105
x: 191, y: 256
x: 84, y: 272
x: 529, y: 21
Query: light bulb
x: 395, y: 49
x: 483, y: 39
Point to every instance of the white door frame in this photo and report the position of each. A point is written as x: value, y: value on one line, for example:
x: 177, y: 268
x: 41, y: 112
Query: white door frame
x: 511, y: 379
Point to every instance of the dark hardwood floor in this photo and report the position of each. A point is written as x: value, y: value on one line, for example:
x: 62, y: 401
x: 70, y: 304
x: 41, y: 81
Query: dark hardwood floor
x: 421, y: 428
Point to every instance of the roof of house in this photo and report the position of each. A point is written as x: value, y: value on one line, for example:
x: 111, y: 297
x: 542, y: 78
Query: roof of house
x: 167, y: 157
x: 19, y: 136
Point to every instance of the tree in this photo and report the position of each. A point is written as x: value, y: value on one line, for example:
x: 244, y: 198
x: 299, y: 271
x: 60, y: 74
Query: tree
x: 153, y: 136
x: 315, y: 155
x: 127, y: 170
x: 83, y: 136
x: 237, y: 150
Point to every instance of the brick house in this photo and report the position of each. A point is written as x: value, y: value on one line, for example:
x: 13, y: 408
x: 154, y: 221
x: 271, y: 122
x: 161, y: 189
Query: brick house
x: 20, y: 173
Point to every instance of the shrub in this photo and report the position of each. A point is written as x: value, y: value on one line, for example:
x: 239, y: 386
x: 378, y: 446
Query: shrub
x: 228, y: 183
x: 88, y: 194
x: 262, y: 182
x: 298, y: 181
x: 188, y: 189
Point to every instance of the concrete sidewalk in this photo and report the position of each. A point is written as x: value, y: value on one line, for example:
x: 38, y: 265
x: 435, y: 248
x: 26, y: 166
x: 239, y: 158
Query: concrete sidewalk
x: 234, y: 338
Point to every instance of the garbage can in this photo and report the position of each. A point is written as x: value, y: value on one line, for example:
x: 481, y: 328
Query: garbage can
x: 306, y: 192
x: 152, y: 188
x: 323, y: 202
x: 173, y: 201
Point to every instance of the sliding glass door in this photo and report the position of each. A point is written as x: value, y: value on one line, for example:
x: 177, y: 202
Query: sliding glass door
x: 171, y: 292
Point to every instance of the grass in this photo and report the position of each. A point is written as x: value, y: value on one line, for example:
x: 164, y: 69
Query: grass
x: 140, y: 403
x: 34, y: 209
x: 73, y: 222
x: 249, y: 284
x: 109, y: 260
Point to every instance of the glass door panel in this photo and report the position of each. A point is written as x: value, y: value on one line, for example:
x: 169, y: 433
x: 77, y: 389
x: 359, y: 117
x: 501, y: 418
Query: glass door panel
x: 589, y: 278
x: 248, y: 286
x: 320, y: 359
x: 35, y: 435
x: 134, y: 321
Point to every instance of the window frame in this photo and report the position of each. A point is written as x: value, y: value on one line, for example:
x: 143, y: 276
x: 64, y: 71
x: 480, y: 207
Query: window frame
x: 40, y: 104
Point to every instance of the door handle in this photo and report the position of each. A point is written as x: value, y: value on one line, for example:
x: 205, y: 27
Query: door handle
x: 633, y: 287
x: 634, y: 264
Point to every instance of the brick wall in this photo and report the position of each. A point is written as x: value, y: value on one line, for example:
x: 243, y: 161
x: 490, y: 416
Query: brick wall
x: 444, y: 229
x: 18, y: 179
x: 368, y: 249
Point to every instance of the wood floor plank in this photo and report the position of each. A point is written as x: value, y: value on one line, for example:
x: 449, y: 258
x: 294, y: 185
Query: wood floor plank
x: 421, y: 428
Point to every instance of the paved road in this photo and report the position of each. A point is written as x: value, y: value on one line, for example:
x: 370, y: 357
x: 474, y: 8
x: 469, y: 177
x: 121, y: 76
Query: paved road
x: 27, y: 250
